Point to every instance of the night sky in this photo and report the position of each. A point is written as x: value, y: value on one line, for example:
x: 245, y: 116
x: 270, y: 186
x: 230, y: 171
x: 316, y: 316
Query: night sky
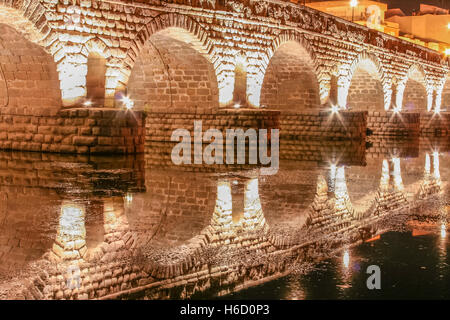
x: 408, y: 5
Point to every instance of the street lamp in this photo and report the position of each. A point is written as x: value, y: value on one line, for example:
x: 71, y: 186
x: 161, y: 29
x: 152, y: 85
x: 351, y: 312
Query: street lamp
x: 353, y: 4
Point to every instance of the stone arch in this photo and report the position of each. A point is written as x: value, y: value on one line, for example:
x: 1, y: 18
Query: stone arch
x: 367, y: 89
x: 28, y: 17
x: 28, y: 76
x: 158, y: 40
x: 100, y: 75
x: 88, y: 74
x: 290, y: 77
x: 414, y: 89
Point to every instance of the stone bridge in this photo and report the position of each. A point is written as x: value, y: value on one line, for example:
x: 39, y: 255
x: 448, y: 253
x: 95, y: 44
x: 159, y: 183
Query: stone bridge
x: 70, y: 70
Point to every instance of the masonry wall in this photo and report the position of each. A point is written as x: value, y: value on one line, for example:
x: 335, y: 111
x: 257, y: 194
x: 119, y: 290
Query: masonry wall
x: 414, y: 97
x: 435, y: 124
x: 159, y: 126
x: 75, y: 131
x: 34, y: 185
x: 351, y: 152
x: 29, y: 83
x: 290, y: 82
x: 286, y: 196
x: 170, y: 75
x: 385, y: 146
x: 186, y: 62
x: 392, y: 124
x: 29, y: 221
x: 175, y: 207
x: 323, y: 125
x: 445, y: 102
x: 365, y: 92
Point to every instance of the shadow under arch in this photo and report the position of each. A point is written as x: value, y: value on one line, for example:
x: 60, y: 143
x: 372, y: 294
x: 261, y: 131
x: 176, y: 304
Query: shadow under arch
x: 182, y: 54
x: 367, y: 84
x: 290, y: 80
x: 415, y: 95
x: 445, y: 95
x: 171, y: 74
x: 29, y: 80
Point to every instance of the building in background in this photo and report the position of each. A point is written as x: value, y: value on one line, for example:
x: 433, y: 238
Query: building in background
x: 365, y: 12
x: 429, y: 26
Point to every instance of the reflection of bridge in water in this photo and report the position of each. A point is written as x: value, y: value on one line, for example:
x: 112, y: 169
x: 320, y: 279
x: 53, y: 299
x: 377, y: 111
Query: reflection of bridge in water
x: 135, y: 227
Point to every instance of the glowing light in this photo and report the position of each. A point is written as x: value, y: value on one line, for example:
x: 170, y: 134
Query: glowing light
x: 342, y: 94
x: 353, y: 3
x: 332, y: 177
x: 70, y: 239
x: 253, y: 215
x: 397, y: 110
x: 448, y: 25
x: 376, y: 238
x: 398, y: 182
x: 346, y: 259
x: 237, y: 106
x: 87, y: 103
x: 71, y: 222
x: 333, y: 170
x: 429, y: 102
x: 341, y: 185
x: 222, y: 217
x: 226, y: 90
x: 447, y: 52
x: 235, y: 182
x: 443, y: 230
x: 436, y: 172
x: 437, y: 108
x: 334, y: 109
x: 129, y: 198
x: 427, y: 164
x: 384, y: 181
x: 127, y: 102
x: 254, y: 84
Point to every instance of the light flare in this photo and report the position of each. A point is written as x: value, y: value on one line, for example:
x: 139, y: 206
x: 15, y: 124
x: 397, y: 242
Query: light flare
x: 443, y: 231
x: 346, y: 259
x: 127, y: 102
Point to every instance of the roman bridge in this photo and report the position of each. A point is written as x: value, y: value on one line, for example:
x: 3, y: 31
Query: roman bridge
x: 72, y: 69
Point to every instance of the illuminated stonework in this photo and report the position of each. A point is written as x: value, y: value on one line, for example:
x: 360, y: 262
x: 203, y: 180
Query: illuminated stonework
x: 70, y: 243
x: 180, y: 57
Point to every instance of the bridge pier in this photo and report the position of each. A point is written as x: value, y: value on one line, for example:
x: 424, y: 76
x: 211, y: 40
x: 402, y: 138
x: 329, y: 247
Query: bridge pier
x: 435, y: 124
x: 389, y: 123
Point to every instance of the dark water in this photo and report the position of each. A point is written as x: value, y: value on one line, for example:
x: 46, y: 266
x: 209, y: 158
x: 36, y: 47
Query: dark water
x: 412, y: 267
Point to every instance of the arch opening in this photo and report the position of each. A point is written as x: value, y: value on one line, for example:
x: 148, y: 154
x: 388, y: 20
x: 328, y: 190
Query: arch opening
x: 415, y: 97
x: 29, y: 78
x: 173, y: 73
x: 240, y: 82
x: 290, y: 82
x: 445, y: 97
x: 96, y: 79
x: 366, y: 88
